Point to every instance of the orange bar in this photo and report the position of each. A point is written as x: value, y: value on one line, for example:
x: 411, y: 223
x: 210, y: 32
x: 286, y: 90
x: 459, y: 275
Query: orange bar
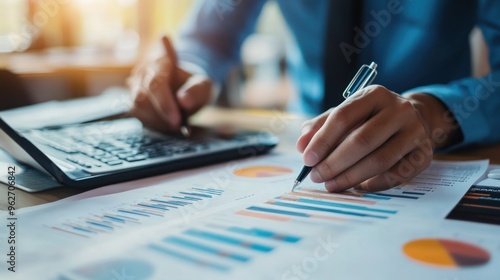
x: 479, y: 194
x: 481, y: 206
x: 329, y: 218
x: 67, y: 231
x: 330, y: 196
x: 263, y: 216
x: 471, y: 197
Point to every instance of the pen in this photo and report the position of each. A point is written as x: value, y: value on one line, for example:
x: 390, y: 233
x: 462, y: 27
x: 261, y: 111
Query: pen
x: 364, y: 77
x: 185, y: 131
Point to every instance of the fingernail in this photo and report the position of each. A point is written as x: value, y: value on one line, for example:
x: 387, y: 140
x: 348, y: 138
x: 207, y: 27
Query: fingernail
x: 306, y: 128
x: 311, y: 158
x: 181, y: 94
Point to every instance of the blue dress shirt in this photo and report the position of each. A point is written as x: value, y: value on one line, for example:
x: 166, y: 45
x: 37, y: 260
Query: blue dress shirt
x: 419, y: 46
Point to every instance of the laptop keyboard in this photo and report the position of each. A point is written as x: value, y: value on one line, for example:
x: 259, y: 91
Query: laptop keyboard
x: 131, y: 148
x: 106, y: 149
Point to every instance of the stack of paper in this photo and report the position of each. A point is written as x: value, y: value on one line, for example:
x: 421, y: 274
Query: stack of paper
x: 239, y: 220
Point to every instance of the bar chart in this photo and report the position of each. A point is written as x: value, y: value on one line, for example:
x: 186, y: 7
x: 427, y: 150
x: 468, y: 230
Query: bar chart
x: 242, y: 236
x: 137, y: 213
x: 270, y: 230
x: 312, y: 204
x: 220, y: 247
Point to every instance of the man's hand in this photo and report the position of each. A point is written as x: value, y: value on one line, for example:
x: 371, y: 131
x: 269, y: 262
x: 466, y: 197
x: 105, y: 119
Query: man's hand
x: 160, y: 91
x: 374, y: 140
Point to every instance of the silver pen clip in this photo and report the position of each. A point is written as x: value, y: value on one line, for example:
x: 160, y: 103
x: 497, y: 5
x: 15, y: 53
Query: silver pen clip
x: 365, y: 76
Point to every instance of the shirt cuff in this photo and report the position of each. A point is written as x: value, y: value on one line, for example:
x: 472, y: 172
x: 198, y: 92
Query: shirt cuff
x: 465, y: 109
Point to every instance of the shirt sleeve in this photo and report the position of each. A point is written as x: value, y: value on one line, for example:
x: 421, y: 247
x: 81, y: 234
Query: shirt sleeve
x: 213, y: 32
x: 475, y: 102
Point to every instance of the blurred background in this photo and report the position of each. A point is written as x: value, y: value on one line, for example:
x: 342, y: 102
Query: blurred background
x: 61, y: 49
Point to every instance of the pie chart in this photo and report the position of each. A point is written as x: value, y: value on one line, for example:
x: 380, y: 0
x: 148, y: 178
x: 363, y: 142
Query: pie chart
x: 446, y: 253
x: 262, y: 171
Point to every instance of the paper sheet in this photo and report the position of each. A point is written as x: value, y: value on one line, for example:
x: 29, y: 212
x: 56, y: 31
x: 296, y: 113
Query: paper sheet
x: 111, y: 102
x: 239, y: 220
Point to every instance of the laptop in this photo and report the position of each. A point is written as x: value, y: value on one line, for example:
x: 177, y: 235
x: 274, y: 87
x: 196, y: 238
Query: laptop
x: 93, y: 154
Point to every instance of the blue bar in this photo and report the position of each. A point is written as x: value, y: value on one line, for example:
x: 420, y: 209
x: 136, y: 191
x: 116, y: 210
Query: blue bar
x: 394, y: 195
x: 153, y: 206
x: 147, y: 212
x: 114, y: 218
x: 106, y: 222
x: 188, y: 258
x: 264, y: 234
x: 197, y: 194
x: 229, y: 240
x: 82, y: 229
x: 130, y: 218
x: 177, y: 203
x: 187, y: 198
x: 304, y: 207
x: 342, y: 205
x: 100, y: 225
x: 276, y: 211
x: 217, y: 190
x: 205, y: 248
x: 415, y: 193
x: 208, y: 191
x: 130, y: 212
x: 374, y: 196
x: 164, y: 205
x: 180, y: 203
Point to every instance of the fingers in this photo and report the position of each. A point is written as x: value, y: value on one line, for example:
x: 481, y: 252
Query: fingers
x: 367, y: 138
x: 358, y: 144
x: 155, y: 88
x: 147, y: 114
x: 341, y: 120
x: 309, y: 129
x: 378, y: 162
x: 163, y: 100
x: 153, y: 93
x: 195, y: 93
x: 169, y: 51
x: 410, y: 166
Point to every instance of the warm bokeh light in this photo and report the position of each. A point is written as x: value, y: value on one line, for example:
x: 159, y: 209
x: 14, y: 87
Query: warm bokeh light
x: 12, y: 18
x: 91, y: 23
x: 73, y: 48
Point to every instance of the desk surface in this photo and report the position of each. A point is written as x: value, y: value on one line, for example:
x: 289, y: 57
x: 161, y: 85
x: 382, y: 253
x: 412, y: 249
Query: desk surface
x: 62, y: 61
x: 286, y: 126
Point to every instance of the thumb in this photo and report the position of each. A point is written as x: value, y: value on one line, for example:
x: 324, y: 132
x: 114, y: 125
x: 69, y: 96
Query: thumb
x: 195, y: 93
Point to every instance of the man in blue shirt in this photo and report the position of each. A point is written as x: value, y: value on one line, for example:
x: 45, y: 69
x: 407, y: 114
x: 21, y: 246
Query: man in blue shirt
x: 380, y: 137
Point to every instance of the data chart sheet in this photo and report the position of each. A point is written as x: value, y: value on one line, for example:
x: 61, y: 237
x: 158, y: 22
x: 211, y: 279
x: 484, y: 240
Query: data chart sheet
x: 241, y: 219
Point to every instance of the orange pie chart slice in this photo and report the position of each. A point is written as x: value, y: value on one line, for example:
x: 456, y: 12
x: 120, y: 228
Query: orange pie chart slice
x: 446, y: 252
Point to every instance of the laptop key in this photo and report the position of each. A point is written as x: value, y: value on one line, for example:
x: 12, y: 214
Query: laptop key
x: 115, y: 162
x: 106, y: 160
x: 126, y: 155
x: 136, y: 158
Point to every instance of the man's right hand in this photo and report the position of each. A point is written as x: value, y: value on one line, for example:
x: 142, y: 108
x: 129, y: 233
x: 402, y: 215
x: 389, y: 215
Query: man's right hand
x: 161, y: 91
